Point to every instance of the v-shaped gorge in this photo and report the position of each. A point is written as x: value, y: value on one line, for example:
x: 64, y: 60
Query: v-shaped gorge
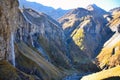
x: 40, y: 48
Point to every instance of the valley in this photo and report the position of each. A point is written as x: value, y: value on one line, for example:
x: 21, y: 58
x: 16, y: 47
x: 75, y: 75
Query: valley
x: 78, y: 44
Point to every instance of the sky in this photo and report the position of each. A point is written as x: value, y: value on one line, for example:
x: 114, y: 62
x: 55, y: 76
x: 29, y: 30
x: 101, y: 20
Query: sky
x: 70, y: 4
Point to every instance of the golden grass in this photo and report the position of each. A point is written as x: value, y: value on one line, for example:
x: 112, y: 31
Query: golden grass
x: 115, y: 20
x: 109, y: 56
x: 78, y: 38
x: 103, y: 74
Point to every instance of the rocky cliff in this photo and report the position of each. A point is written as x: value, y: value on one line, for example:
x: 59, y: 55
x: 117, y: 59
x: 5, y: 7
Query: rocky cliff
x: 8, y: 21
x: 32, y: 42
x: 44, y: 34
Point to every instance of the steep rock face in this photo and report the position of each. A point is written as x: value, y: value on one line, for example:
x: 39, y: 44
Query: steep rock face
x: 109, y: 56
x: 8, y: 15
x: 43, y: 33
x: 86, y: 29
x: 32, y: 33
x: 8, y: 20
x: 40, y: 42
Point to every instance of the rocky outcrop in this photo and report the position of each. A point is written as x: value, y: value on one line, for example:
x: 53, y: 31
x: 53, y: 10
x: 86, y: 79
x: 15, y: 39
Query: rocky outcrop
x: 44, y: 34
x: 8, y: 21
x: 35, y: 36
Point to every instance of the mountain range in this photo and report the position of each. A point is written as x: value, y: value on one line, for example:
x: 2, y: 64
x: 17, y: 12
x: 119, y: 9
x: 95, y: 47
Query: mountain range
x: 54, y: 13
x: 34, y: 46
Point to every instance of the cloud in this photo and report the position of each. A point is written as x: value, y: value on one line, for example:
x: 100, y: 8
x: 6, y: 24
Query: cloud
x: 65, y: 4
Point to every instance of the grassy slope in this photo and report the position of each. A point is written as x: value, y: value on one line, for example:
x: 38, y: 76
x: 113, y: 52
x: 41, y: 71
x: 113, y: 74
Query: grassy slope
x: 103, y: 75
x: 32, y: 60
x: 109, y: 56
x: 8, y: 72
x: 116, y: 19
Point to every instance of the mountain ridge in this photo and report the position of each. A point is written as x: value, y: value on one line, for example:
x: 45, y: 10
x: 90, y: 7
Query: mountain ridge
x: 54, y: 13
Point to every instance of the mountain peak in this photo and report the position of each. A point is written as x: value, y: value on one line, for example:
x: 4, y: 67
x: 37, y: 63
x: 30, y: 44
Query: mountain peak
x: 92, y: 7
x: 74, y: 11
x: 96, y: 10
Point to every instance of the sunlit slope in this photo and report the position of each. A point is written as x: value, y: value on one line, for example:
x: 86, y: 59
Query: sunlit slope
x: 110, y: 54
x: 111, y: 74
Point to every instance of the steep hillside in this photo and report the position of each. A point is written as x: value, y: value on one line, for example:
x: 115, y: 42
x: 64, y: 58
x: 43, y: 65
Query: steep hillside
x: 109, y: 56
x: 108, y: 59
x: 86, y: 29
x: 44, y: 34
x: 115, y: 10
x: 8, y: 19
x: 8, y: 72
x: 8, y: 9
x: 32, y: 43
x: 111, y: 74
x: 54, y: 13
x: 40, y: 40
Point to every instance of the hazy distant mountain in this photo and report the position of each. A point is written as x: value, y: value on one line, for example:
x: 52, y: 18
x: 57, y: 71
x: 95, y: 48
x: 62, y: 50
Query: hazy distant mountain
x: 115, y: 9
x: 54, y: 13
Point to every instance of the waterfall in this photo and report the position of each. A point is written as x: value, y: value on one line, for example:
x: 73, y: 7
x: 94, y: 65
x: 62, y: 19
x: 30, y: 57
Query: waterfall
x: 12, y: 49
x: 32, y: 42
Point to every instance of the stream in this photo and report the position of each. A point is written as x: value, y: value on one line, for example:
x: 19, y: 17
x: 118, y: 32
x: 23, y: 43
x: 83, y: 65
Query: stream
x: 76, y: 76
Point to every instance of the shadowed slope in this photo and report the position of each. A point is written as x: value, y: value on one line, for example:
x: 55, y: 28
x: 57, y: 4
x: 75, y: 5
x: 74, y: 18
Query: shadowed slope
x: 8, y: 72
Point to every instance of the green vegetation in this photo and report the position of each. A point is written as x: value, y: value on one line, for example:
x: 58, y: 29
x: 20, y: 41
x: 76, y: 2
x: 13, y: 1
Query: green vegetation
x: 32, y: 63
x: 79, y: 37
x: 8, y: 72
